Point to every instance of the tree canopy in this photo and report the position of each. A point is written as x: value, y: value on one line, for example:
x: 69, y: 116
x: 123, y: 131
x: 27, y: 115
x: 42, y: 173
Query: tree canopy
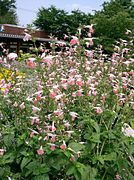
x: 8, y: 12
x: 59, y: 22
x: 112, y: 21
x: 115, y: 17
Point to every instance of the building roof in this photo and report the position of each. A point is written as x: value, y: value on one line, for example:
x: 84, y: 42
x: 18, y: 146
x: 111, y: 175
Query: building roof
x: 13, y: 36
x: 17, y: 32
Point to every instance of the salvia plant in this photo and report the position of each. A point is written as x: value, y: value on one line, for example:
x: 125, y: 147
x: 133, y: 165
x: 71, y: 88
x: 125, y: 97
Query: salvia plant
x: 67, y: 113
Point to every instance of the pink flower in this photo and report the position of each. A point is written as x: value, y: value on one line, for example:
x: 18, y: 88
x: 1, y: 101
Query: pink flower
x: 91, y: 30
x: 30, y: 63
x: 69, y: 133
x: 89, y: 53
x: 127, y: 130
x: 53, y: 147
x: 79, y: 82
x: 63, y: 146
x: 72, y: 158
x: 35, y: 109
x: 38, y: 97
x: 94, y: 93
x: 22, y: 105
x: 53, y: 138
x: 2, y: 152
x: 79, y: 93
x: 99, y: 110
x: 71, y: 81
x: 40, y: 151
x: 27, y: 37
x: 74, y: 40
x: 48, y: 60
x: 58, y: 112
x: 53, y: 128
x: 34, y: 120
x: 115, y: 90
x: 90, y: 40
x: 65, y: 86
x: 52, y: 94
x: 128, y: 31
x: 65, y: 36
x: 12, y: 56
x: 67, y: 125
x: 73, y: 115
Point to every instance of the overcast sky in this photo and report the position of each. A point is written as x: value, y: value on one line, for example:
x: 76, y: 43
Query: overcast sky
x: 27, y: 9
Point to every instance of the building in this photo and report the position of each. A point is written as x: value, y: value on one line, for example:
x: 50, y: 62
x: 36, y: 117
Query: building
x: 12, y: 36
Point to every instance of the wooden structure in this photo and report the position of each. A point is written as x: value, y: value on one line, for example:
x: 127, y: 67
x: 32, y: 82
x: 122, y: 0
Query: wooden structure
x: 12, y: 36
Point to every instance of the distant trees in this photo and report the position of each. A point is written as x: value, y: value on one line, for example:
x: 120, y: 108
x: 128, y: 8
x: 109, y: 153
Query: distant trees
x: 112, y: 21
x: 8, y: 12
x: 59, y: 22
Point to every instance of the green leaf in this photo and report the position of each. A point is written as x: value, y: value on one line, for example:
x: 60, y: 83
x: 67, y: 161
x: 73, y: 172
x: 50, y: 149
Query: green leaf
x: 71, y: 170
x: 93, y: 173
x: 95, y: 125
x: 2, y: 171
x: 5, y: 170
x: 132, y: 123
x: 110, y: 157
x: 43, y: 168
x: 76, y: 146
x: 77, y: 176
x: 8, y: 139
x: 81, y: 168
x: 8, y: 158
x: 101, y: 159
x: 24, y: 162
x: 57, y: 161
x: 41, y: 177
x: 32, y: 165
x: 95, y: 137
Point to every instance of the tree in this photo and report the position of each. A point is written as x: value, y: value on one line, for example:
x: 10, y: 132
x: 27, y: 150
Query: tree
x: 112, y: 21
x: 8, y: 12
x: 51, y: 20
x: 114, y: 6
x: 77, y: 18
x: 59, y: 22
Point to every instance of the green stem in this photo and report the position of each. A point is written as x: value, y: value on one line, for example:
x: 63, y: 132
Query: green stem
x: 104, y: 175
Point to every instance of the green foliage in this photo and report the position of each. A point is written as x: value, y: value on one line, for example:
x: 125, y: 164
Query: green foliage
x: 8, y: 12
x: 112, y: 21
x: 59, y: 22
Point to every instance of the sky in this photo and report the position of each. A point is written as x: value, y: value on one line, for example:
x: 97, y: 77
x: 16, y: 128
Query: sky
x: 27, y: 9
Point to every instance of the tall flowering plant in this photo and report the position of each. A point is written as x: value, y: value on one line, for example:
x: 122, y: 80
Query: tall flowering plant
x: 72, y: 116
